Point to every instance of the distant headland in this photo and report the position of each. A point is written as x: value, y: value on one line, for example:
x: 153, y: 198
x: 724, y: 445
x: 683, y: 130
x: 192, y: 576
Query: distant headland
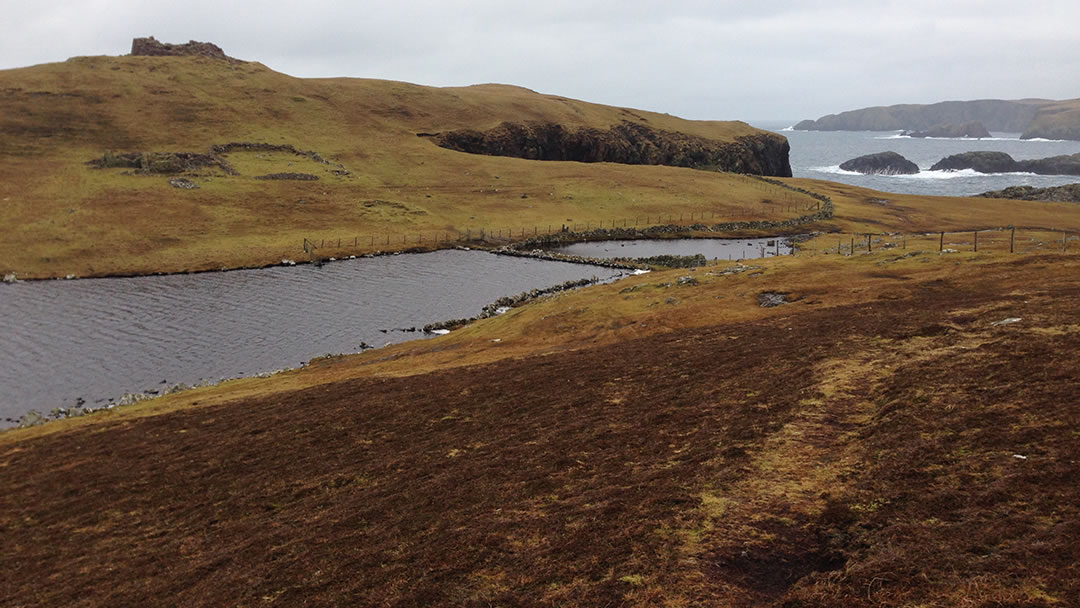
x: 1033, y: 118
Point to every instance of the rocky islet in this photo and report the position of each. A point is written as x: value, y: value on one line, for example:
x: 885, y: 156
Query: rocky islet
x: 1001, y: 162
x: 881, y: 163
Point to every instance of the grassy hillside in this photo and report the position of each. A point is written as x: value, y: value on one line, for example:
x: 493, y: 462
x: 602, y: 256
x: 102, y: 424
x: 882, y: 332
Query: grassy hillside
x: 73, y: 219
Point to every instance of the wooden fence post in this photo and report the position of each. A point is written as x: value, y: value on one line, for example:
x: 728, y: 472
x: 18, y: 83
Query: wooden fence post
x: 941, y: 243
x: 976, y: 233
x: 1012, y: 241
x: 852, y: 252
x: 868, y: 245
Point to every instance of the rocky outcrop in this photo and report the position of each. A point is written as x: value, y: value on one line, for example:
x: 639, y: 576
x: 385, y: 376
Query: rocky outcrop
x: 1069, y: 193
x: 1066, y: 164
x: 627, y: 143
x: 171, y: 163
x: 983, y: 162
x: 151, y: 47
x: 882, y: 163
x: 973, y: 129
x: 1000, y: 162
x: 160, y: 163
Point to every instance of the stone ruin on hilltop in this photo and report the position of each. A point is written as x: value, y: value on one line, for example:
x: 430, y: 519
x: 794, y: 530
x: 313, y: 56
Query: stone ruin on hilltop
x: 151, y: 47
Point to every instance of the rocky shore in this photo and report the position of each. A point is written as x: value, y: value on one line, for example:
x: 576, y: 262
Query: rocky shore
x: 1069, y: 193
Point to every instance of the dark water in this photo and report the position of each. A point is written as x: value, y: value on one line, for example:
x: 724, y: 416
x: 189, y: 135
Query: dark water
x: 818, y: 154
x: 723, y: 249
x: 100, y: 338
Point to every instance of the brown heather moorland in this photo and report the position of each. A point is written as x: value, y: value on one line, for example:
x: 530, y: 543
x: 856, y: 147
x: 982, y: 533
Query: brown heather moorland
x: 881, y: 439
x: 877, y: 441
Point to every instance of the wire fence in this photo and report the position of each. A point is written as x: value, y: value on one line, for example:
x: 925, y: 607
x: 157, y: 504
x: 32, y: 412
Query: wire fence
x: 768, y: 211
x: 1007, y: 239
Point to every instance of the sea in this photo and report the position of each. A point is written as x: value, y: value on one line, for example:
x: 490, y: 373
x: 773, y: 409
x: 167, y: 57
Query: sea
x: 818, y: 154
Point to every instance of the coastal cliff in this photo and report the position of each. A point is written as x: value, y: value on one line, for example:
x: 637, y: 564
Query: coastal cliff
x: 626, y: 143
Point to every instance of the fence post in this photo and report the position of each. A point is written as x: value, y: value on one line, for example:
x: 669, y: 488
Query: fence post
x: 868, y: 246
x: 1064, y: 241
x: 976, y: 233
x: 852, y: 252
x: 941, y: 243
x: 1012, y: 241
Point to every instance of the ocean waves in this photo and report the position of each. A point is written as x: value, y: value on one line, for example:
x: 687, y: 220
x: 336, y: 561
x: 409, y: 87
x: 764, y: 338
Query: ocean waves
x: 1011, y: 137
x: 924, y: 174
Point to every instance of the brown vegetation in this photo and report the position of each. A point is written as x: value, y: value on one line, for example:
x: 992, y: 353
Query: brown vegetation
x: 878, y: 441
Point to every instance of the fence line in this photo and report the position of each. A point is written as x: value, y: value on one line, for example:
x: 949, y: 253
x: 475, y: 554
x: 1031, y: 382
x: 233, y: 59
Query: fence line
x: 1010, y: 238
x: 506, y: 234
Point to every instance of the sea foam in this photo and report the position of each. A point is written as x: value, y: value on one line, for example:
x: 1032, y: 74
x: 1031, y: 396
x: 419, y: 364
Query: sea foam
x: 923, y: 173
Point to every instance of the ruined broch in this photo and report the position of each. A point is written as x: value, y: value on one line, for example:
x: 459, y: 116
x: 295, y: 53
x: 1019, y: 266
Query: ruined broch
x: 152, y: 47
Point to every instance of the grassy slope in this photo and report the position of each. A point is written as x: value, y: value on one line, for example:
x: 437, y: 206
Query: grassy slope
x: 72, y: 219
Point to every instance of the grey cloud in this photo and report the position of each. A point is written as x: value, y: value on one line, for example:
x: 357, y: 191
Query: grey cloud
x: 716, y: 60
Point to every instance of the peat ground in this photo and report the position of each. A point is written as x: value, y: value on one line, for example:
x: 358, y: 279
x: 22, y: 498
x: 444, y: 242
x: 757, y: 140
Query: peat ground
x: 897, y: 450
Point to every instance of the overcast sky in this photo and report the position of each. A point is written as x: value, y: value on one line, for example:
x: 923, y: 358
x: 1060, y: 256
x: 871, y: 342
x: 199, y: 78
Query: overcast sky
x: 707, y: 60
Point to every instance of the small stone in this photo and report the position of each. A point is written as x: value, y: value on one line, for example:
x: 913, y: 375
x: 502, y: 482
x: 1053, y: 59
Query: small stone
x: 770, y: 299
x: 183, y: 183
